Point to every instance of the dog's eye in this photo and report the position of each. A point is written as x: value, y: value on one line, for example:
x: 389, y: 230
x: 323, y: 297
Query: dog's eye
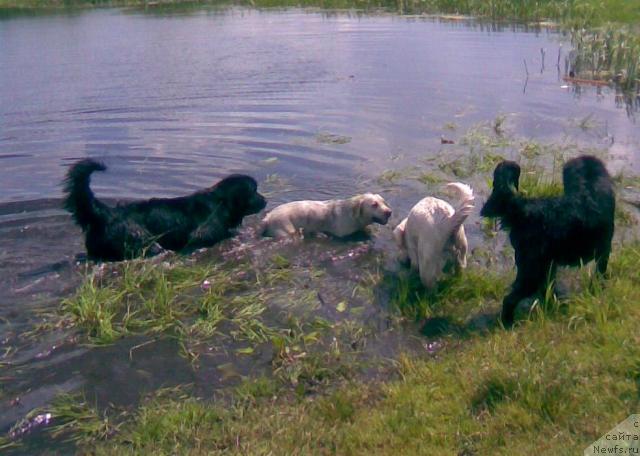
x: 374, y: 204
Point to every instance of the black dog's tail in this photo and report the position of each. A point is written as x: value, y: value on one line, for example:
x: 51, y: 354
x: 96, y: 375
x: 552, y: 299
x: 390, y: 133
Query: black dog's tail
x: 79, y: 199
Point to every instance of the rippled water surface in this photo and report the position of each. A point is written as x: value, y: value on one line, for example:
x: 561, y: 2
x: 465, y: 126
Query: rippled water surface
x: 313, y: 104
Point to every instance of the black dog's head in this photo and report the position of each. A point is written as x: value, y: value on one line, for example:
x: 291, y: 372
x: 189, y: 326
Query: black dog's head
x: 505, y: 184
x: 239, y: 193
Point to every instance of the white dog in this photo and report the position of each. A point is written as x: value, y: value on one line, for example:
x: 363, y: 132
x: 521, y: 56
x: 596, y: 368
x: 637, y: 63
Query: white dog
x: 335, y: 217
x: 432, y: 237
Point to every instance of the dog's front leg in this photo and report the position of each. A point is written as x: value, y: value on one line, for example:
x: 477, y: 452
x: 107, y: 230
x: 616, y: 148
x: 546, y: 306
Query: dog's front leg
x: 602, y: 258
x: 509, y: 305
x: 531, y: 277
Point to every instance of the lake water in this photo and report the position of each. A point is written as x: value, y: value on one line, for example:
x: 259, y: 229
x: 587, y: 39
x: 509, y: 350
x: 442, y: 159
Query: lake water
x: 325, y: 102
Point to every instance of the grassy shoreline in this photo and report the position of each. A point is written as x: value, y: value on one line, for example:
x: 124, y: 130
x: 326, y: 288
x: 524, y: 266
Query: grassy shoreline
x: 562, y: 377
x: 552, y: 385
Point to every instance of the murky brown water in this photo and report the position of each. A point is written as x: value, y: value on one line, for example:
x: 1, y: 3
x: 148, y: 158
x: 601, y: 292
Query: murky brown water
x: 314, y: 105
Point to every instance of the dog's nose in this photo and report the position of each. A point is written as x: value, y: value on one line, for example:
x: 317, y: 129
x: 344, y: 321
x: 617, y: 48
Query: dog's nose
x: 387, y: 213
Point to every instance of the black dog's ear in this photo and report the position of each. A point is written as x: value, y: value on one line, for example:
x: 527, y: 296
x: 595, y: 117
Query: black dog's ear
x: 506, y: 174
x: 506, y: 177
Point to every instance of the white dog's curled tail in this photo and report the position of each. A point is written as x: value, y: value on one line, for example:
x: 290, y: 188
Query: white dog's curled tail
x: 463, y: 205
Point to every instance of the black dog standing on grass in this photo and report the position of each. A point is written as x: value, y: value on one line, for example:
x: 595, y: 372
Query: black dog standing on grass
x: 571, y: 229
x: 148, y: 227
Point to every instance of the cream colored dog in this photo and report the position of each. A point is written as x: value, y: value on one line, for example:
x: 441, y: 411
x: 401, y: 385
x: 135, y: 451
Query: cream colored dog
x: 335, y: 217
x: 432, y: 237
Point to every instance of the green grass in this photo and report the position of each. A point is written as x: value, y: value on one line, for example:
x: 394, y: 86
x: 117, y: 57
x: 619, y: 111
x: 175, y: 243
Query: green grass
x: 551, y: 386
x: 608, y: 53
x: 77, y: 420
x: 191, y: 302
x: 456, y: 297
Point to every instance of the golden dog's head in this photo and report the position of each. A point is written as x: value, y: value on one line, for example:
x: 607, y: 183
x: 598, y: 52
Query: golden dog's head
x: 371, y: 208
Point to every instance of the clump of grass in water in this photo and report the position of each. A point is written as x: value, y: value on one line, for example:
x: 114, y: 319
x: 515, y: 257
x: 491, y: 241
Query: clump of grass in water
x: 391, y: 176
x: 611, y: 53
x: 150, y: 298
x: 73, y: 420
x: 76, y: 420
x: 275, y: 184
x: 303, y: 361
x: 486, y: 145
x: 429, y: 178
x: 330, y: 138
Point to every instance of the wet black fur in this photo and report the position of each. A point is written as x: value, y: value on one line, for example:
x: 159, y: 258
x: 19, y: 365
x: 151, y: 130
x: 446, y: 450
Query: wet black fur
x: 147, y: 227
x: 571, y: 229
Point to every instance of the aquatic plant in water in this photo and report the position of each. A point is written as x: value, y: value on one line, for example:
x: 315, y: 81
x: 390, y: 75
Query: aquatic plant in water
x: 609, y: 53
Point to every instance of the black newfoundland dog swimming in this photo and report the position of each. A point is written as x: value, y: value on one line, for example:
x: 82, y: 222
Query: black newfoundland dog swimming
x: 566, y: 230
x: 146, y: 228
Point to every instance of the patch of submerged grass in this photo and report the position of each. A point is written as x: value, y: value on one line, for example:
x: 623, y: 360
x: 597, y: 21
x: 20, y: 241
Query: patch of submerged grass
x: 550, y: 385
x: 69, y: 418
x: 330, y: 138
x: 275, y: 184
x: 77, y: 420
x: 609, y: 53
x: 429, y: 178
x: 483, y: 147
x: 391, y: 176
x: 300, y: 359
x: 192, y: 301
